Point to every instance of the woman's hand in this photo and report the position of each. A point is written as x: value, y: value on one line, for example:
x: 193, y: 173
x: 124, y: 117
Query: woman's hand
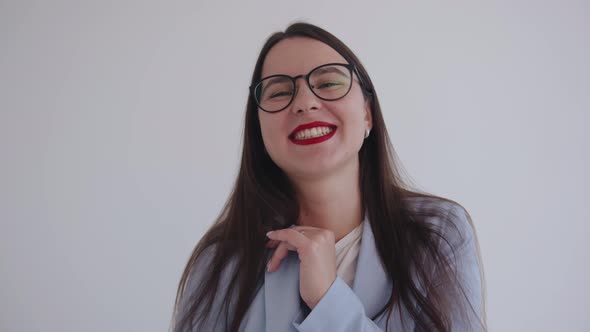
x: 317, y: 252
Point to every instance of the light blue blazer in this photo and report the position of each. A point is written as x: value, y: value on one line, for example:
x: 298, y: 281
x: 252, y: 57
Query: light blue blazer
x: 276, y: 306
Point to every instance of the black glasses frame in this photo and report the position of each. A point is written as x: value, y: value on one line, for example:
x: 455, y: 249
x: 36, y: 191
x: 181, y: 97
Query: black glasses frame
x: 351, y: 68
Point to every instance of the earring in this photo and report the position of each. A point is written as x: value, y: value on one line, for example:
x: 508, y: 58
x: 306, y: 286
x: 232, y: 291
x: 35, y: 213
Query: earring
x: 367, y: 132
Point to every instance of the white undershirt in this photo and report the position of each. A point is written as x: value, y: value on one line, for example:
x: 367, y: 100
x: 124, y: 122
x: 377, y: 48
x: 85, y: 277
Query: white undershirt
x: 347, y: 251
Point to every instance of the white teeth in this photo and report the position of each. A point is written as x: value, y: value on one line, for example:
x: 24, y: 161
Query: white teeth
x: 313, y: 132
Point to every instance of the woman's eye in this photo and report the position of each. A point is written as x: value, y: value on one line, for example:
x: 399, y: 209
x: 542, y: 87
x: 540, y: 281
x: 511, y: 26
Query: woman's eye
x: 329, y: 85
x: 280, y: 94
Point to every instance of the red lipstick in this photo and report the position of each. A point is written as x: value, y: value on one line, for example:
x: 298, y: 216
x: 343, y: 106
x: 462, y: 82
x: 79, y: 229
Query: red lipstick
x: 313, y: 140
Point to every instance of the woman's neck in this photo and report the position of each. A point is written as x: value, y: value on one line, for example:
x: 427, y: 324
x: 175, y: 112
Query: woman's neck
x: 332, y: 202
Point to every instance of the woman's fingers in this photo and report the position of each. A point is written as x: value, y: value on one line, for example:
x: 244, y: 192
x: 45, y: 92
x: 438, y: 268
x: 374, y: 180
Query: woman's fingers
x: 289, y: 235
x: 316, y: 251
x: 287, y: 239
x: 277, y: 257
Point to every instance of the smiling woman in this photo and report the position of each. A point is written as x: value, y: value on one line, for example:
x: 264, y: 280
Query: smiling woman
x: 320, y: 232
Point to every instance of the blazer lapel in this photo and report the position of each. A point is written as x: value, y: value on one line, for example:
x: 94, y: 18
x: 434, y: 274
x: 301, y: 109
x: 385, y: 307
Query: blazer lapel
x: 281, y: 295
x: 281, y: 288
x: 371, y: 283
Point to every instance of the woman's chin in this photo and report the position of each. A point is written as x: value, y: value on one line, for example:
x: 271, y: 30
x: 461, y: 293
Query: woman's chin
x: 317, y: 169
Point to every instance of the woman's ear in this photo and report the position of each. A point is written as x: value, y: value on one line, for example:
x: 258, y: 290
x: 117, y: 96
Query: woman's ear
x: 368, y: 115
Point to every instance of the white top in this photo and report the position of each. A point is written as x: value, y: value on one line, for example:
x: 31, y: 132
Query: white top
x: 347, y: 252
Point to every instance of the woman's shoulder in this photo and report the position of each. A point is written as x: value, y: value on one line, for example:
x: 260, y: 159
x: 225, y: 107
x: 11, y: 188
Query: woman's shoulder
x: 426, y: 202
x: 459, y: 246
x: 204, y: 263
x: 445, y: 216
x: 198, y: 275
x: 207, y: 259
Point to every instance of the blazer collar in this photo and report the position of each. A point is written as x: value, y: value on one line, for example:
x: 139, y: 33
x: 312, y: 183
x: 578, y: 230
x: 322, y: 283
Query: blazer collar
x: 281, y: 288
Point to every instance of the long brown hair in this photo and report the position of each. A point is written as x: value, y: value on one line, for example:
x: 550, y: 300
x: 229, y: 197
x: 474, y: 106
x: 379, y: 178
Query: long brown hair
x: 263, y: 199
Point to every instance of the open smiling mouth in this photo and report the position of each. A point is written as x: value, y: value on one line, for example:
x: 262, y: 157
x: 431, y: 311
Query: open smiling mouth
x: 314, y: 135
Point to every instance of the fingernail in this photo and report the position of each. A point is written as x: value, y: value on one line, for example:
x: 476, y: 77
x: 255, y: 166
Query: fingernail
x: 267, y: 234
x: 268, y: 267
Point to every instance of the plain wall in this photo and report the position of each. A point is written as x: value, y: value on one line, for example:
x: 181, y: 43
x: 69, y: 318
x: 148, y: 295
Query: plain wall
x: 120, y: 136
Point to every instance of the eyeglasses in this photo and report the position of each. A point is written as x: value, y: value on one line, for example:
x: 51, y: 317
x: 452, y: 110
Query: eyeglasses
x: 329, y: 82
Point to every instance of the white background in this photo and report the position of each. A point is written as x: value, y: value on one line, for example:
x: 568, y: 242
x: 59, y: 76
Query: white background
x: 120, y: 134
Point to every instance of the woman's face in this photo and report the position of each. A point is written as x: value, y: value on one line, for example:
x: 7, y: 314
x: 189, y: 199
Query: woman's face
x: 346, y: 118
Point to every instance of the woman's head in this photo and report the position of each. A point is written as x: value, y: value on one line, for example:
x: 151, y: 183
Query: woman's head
x: 343, y: 122
x: 275, y: 138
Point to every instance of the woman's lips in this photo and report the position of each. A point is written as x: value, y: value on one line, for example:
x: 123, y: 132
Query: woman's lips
x: 313, y: 140
x: 311, y: 125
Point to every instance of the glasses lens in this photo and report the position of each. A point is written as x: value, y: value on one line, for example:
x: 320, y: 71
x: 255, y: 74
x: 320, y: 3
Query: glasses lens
x: 331, y: 82
x: 274, y: 93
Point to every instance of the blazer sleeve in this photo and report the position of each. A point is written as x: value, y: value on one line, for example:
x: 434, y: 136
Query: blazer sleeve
x: 216, y: 321
x: 462, y: 250
x: 338, y: 310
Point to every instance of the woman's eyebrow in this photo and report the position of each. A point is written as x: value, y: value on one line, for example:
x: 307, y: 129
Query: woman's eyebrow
x: 331, y: 70
x: 272, y: 81
x: 321, y: 70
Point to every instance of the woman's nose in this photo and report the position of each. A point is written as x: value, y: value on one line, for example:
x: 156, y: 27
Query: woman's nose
x: 304, y: 99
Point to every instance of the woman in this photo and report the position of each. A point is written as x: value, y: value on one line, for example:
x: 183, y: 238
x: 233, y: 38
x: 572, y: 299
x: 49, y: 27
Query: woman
x: 351, y: 247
